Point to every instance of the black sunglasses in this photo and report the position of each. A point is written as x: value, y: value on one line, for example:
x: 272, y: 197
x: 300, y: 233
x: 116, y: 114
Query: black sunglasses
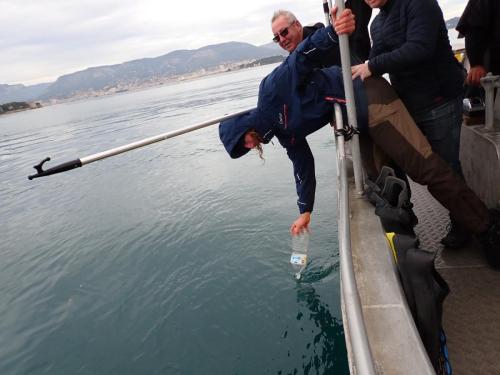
x: 282, y: 33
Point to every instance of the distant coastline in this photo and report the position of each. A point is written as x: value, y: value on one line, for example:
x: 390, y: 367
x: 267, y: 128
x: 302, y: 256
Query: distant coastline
x: 122, y: 87
x: 13, y: 107
x: 144, y: 73
x: 161, y: 81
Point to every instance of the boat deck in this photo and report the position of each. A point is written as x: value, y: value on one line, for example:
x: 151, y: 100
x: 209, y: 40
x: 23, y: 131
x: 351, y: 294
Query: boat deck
x: 393, y: 337
x: 471, y: 312
x: 471, y: 315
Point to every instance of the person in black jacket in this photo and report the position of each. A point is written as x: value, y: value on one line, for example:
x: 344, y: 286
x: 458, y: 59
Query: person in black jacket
x: 410, y: 43
x: 480, y: 24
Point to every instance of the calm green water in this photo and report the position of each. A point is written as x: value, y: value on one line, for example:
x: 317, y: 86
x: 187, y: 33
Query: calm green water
x: 171, y: 259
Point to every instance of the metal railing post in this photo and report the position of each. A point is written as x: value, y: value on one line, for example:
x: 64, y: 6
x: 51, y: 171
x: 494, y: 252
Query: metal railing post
x: 361, y: 352
x: 345, y: 57
x: 489, y: 83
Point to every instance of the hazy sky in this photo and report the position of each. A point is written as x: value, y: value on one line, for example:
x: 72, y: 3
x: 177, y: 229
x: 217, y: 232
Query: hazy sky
x: 41, y: 40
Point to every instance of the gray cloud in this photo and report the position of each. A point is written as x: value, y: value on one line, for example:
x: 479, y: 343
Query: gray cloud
x: 45, y: 39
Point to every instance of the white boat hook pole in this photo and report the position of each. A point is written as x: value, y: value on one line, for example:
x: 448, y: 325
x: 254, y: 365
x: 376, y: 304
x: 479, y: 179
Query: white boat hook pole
x: 76, y: 163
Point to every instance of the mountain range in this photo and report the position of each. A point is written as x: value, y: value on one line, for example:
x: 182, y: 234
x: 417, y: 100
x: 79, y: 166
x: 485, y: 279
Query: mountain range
x: 120, y: 77
x: 147, y: 71
x: 452, y: 23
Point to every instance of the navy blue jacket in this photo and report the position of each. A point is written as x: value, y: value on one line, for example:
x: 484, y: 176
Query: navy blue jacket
x: 410, y: 42
x: 294, y: 101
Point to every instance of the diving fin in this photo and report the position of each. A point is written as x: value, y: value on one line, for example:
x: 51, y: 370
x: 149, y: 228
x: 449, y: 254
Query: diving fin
x: 394, y: 207
x: 374, y: 189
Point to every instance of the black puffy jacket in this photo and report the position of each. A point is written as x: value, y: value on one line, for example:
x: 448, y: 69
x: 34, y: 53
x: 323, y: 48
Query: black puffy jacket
x: 480, y: 24
x: 410, y: 42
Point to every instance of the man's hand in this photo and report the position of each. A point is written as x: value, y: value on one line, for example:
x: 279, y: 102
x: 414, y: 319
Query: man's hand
x: 361, y: 71
x: 475, y: 75
x: 301, y: 224
x: 345, y: 23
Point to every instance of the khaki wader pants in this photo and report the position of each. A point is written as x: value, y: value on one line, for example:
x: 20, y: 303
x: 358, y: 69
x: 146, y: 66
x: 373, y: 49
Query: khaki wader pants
x: 393, y: 135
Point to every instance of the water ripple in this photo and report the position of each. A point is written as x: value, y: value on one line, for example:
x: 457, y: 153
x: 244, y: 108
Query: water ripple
x: 169, y: 259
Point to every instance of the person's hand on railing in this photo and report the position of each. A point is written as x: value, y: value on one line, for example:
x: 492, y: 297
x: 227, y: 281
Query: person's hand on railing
x: 345, y: 23
x: 475, y: 74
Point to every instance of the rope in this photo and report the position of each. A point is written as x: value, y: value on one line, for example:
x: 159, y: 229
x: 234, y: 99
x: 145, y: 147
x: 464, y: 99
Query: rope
x: 347, y: 132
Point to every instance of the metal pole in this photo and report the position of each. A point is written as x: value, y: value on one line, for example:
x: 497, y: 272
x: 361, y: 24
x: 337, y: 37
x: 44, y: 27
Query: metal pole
x: 327, y: 4
x: 489, y: 83
x: 345, y: 58
x: 158, y: 138
x: 361, y: 352
x: 66, y: 166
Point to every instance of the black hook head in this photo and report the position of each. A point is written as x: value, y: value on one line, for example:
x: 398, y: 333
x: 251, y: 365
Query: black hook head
x: 39, y: 166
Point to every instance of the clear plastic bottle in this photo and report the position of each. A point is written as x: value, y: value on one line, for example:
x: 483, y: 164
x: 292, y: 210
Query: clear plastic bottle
x: 300, y: 246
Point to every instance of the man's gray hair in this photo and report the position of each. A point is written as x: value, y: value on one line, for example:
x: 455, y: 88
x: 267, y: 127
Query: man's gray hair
x: 288, y: 15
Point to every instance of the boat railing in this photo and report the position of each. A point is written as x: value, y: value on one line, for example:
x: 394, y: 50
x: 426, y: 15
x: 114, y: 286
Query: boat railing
x: 360, y: 358
x: 360, y: 355
x: 489, y: 83
x: 492, y: 105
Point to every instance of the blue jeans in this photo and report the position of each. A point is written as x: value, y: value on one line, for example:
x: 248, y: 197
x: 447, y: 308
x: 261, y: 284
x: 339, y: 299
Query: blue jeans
x: 441, y: 126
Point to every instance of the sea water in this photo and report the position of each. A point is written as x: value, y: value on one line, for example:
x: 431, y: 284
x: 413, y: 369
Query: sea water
x: 170, y: 259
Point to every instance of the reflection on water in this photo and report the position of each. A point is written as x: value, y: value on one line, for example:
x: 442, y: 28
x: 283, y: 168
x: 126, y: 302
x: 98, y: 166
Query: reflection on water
x: 328, y: 345
x: 324, y: 352
x: 171, y: 259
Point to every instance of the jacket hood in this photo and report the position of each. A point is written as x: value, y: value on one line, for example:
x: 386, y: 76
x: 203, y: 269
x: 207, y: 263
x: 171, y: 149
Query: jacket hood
x: 231, y: 132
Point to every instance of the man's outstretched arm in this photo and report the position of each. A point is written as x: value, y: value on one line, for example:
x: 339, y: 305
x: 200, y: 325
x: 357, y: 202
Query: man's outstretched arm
x: 310, y: 54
